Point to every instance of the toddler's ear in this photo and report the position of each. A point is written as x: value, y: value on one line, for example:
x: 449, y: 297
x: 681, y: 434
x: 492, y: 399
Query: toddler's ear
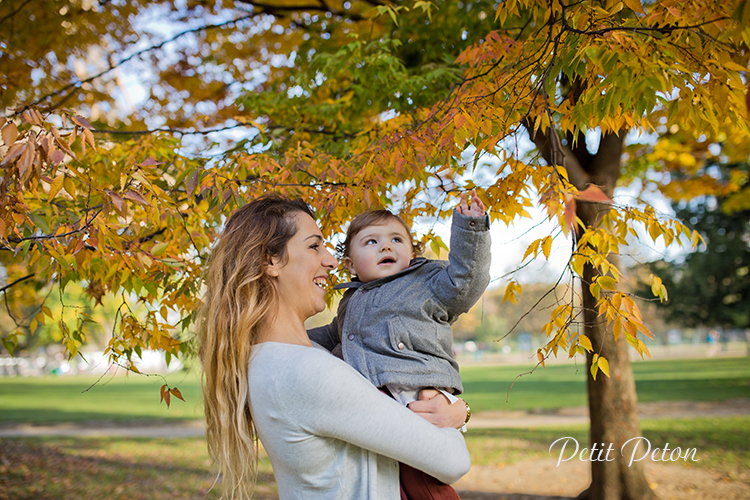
x: 350, y: 266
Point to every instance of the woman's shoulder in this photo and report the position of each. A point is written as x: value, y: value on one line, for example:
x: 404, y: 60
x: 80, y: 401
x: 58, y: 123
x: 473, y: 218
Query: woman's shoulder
x: 303, y: 364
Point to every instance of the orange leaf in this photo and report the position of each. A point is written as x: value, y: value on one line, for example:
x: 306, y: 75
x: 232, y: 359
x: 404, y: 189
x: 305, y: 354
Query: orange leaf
x: 56, y: 155
x: 81, y: 122
x: 459, y: 120
x: 14, y: 152
x: 176, y: 393
x: 10, y: 134
x: 118, y: 202
x: 89, y: 138
x: 570, y: 214
x: 165, y: 396
x: 192, y: 182
x: 135, y: 196
x: 540, y: 357
x: 150, y: 162
x: 594, y: 194
x: 25, y: 163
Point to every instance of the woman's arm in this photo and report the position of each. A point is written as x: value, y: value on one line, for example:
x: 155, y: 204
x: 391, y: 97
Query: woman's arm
x: 333, y: 400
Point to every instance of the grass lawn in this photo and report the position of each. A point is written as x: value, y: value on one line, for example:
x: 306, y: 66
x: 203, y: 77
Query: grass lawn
x: 721, y: 443
x: 61, y: 399
x: 557, y: 386
x: 45, y: 400
x: 161, y: 469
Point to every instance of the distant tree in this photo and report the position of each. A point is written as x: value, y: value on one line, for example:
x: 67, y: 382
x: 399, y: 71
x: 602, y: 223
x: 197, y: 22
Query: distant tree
x: 710, y: 287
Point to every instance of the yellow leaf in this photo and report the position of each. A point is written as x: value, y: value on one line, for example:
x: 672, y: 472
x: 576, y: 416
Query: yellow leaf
x: 617, y: 327
x: 510, y: 292
x: 159, y: 249
x: 607, y: 282
x: 532, y: 248
x: 540, y: 357
x: 547, y: 246
x: 584, y: 341
x: 656, y: 285
x: 577, y: 262
x: 55, y: 186
x: 603, y: 365
x: 635, y: 6
x: 69, y: 186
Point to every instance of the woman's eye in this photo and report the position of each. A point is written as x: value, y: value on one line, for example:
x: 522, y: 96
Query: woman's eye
x: 315, y: 246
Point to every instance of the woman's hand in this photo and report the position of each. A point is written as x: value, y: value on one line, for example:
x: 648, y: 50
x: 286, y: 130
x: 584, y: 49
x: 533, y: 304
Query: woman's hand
x: 434, y: 407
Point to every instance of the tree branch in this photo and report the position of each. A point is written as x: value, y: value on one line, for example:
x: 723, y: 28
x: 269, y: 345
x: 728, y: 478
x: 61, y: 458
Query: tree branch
x: 171, y: 130
x: 19, y: 280
x: 551, y: 148
x: 73, y: 86
x: 12, y: 14
x: 321, y: 7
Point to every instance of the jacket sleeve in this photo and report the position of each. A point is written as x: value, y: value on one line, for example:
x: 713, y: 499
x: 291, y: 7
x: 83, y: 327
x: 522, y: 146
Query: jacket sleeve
x: 333, y: 400
x: 327, y: 335
x: 462, y: 282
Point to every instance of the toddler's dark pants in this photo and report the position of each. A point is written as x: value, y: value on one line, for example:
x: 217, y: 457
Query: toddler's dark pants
x: 416, y: 485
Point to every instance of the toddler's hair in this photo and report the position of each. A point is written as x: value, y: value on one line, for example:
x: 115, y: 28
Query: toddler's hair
x: 374, y: 218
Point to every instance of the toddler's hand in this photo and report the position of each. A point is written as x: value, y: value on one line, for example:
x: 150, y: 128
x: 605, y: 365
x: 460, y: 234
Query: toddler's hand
x: 434, y: 407
x: 477, y: 207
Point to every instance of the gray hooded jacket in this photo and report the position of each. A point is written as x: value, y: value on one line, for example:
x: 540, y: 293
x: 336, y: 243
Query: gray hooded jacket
x: 397, y: 329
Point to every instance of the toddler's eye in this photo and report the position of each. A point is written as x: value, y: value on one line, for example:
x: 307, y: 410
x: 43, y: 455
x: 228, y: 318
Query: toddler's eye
x: 371, y: 241
x: 397, y: 239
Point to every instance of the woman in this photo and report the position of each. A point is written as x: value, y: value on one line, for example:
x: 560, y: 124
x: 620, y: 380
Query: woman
x: 329, y: 432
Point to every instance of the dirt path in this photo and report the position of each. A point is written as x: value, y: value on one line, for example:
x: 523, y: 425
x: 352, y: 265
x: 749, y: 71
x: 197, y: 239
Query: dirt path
x: 543, y: 480
x: 486, y: 420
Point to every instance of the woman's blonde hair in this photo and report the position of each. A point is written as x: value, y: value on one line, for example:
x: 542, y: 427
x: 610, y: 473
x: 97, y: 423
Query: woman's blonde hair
x: 240, y: 297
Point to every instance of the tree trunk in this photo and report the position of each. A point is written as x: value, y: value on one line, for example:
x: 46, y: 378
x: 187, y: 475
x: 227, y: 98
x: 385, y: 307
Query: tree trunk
x: 613, y: 408
x: 612, y: 400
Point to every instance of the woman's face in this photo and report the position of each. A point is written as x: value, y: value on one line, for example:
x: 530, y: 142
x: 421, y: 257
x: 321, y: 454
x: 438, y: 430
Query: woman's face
x: 301, y: 279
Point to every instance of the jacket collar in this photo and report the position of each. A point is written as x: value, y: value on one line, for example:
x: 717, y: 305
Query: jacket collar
x: 355, y: 284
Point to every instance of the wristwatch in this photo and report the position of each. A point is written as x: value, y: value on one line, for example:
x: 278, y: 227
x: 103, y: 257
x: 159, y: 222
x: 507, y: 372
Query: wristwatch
x: 468, y: 412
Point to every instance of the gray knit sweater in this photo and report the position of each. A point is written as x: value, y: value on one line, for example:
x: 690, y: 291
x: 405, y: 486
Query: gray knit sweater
x: 331, y: 435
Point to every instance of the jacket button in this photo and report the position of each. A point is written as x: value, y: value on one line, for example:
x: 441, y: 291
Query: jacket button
x: 351, y: 336
x: 401, y: 346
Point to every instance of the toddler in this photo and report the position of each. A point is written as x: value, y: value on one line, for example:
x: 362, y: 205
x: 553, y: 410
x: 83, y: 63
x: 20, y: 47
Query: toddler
x: 393, y: 323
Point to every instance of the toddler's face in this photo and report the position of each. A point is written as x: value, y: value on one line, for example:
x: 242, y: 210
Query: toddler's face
x: 379, y: 251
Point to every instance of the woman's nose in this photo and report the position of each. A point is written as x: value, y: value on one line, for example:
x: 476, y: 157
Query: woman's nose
x: 329, y: 261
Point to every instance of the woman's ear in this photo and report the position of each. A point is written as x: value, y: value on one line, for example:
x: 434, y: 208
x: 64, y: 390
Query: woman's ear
x: 350, y: 266
x: 272, y: 269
